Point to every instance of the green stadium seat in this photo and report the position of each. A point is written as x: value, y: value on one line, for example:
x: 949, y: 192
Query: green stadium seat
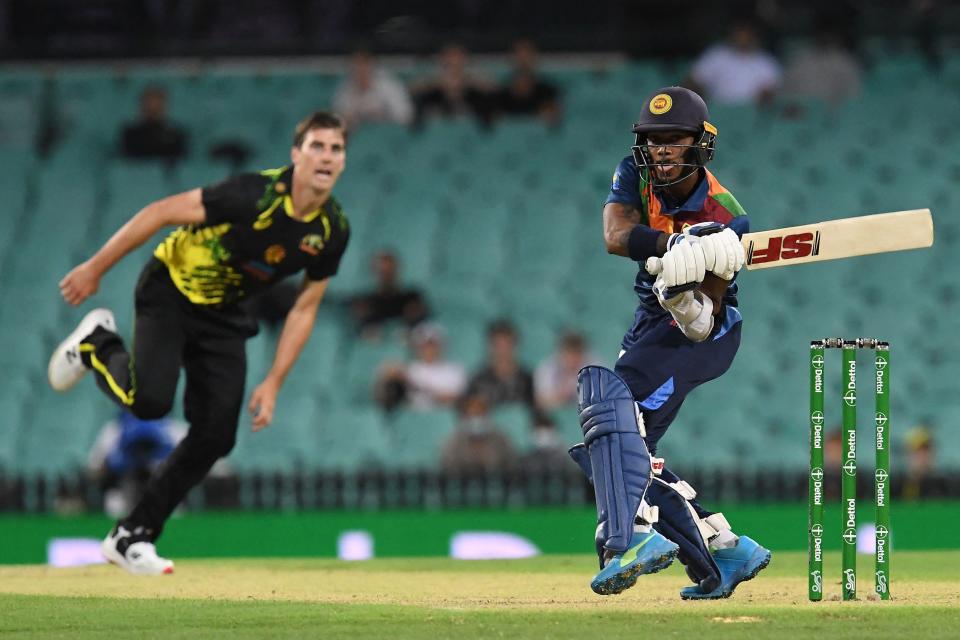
x: 133, y: 185
x: 351, y: 438
x: 62, y: 429
x: 23, y: 346
x: 362, y: 365
x: 515, y: 422
x: 466, y: 337
x: 567, y: 423
x: 15, y: 181
x: 480, y: 258
x: 541, y: 301
x: 453, y: 299
x: 198, y: 172
x: 12, y: 424
x: 472, y: 229
x: 417, y: 438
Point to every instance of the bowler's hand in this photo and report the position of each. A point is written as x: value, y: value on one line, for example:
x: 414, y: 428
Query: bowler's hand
x: 81, y: 283
x: 262, y: 401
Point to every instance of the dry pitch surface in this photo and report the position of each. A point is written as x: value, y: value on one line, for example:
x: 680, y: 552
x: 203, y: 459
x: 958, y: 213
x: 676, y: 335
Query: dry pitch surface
x: 547, y: 597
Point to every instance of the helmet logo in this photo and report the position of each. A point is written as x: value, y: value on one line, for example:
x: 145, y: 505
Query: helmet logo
x: 660, y: 104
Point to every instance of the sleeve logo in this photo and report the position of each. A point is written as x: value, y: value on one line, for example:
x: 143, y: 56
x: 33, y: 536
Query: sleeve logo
x: 274, y: 254
x: 312, y: 244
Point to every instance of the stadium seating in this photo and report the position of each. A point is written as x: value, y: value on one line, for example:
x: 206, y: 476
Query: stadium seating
x: 489, y: 223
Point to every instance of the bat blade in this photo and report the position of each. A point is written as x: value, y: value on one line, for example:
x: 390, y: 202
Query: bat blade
x: 836, y: 239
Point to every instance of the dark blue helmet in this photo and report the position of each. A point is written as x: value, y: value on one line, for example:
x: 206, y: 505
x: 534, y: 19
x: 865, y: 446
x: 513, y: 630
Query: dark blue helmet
x: 675, y: 109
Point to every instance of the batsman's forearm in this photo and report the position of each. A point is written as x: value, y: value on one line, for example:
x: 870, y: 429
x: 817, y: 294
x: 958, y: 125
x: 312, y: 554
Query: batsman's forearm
x: 296, y: 332
x: 618, y: 242
x: 131, y: 235
x: 625, y: 235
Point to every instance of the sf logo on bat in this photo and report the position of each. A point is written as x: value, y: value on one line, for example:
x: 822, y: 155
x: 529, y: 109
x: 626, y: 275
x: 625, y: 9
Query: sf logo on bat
x: 785, y: 247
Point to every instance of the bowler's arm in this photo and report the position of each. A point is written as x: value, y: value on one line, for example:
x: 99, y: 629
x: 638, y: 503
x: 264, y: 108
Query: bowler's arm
x: 182, y: 208
x: 296, y: 330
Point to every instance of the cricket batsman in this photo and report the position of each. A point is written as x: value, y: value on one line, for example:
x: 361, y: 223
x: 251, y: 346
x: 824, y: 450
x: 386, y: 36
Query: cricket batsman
x: 665, y: 204
x: 232, y: 240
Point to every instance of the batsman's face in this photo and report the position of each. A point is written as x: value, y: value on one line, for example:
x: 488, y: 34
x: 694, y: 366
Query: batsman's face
x: 668, y: 149
x: 320, y: 159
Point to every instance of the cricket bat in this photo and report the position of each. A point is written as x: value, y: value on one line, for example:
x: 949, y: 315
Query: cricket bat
x: 834, y: 239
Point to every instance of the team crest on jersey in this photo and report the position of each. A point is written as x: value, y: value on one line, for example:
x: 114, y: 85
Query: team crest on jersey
x: 275, y: 254
x: 280, y: 187
x: 660, y: 104
x: 312, y: 244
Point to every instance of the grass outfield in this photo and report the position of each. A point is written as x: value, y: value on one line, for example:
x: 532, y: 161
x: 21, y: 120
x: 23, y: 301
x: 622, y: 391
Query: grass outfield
x: 546, y: 597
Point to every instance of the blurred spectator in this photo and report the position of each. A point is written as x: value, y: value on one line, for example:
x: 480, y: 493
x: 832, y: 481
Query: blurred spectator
x: 154, y: 136
x: 126, y: 452
x: 370, y: 94
x: 920, y: 447
x: 428, y: 381
x: 388, y: 300
x: 502, y: 379
x: 477, y: 445
x: 548, y: 451
x: 454, y: 92
x: 824, y: 70
x: 526, y: 92
x: 737, y: 71
x: 555, y: 379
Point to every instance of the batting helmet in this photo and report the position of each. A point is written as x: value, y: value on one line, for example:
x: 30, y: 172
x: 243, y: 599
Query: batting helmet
x: 675, y: 109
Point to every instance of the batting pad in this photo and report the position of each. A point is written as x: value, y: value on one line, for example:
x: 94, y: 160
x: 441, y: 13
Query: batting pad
x: 619, y: 460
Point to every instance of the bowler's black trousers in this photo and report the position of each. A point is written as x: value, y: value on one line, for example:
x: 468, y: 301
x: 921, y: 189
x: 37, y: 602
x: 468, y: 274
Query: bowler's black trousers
x: 171, y: 333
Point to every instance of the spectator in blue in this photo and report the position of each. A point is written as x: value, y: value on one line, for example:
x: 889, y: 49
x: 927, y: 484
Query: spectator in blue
x: 126, y: 452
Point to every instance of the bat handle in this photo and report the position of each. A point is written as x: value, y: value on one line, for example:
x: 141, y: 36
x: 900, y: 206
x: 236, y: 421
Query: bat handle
x: 653, y: 265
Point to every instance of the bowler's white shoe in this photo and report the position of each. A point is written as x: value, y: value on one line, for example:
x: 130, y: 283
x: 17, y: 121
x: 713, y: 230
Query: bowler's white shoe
x: 134, y: 552
x: 66, y: 368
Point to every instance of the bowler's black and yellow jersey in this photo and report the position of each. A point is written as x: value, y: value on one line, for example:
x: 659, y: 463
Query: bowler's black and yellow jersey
x: 250, y: 240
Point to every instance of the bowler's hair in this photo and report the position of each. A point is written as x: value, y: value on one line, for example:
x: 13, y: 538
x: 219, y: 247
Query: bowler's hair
x: 318, y: 120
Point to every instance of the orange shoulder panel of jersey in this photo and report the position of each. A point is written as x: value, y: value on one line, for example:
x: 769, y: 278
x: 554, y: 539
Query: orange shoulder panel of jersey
x: 720, y: 200
x: 656, y: 219
x: 713, y: 185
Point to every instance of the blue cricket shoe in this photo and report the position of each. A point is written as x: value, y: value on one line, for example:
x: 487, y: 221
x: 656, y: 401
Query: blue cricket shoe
x: 737, y: 564
x: 648, y: 553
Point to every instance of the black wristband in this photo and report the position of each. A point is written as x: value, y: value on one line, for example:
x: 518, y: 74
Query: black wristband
x: 642, y: 243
